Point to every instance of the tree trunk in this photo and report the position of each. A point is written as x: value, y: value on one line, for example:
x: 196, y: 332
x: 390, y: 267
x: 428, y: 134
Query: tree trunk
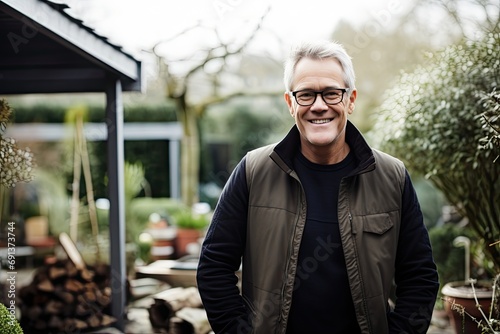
x: 190, y: 152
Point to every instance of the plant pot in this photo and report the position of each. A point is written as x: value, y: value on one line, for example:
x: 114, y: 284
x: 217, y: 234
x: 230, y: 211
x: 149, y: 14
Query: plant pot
x: 461, y: 293
x: 36, y: 229
x: 186, y: 236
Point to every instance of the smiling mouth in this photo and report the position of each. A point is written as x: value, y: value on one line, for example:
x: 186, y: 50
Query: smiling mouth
x: 321, y: 121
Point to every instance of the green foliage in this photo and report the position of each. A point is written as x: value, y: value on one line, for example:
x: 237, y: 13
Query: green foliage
x: 431, y: 201
x: 449, y: 259
x: 154, y: 156
x: 379, y: 59
x: 16, y: 165
x: 134, y: 179
x: 53, y: 200
x: 142, y: 207
x: 490, y: 119
x: 189, y: 220
x: 249, y: 130
x: 432, y: 120
x: 164, y: 112
x: 8, y: 325
x: 52, y: 113
x: 229, y: 130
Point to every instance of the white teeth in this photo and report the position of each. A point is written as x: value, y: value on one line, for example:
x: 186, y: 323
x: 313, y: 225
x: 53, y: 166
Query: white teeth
x: 320, y: 121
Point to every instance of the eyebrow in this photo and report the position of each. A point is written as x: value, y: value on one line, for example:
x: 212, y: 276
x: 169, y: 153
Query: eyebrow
x: 328, y: 87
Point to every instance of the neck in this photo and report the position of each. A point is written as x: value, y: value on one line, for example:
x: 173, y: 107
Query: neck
x: 328, y: 156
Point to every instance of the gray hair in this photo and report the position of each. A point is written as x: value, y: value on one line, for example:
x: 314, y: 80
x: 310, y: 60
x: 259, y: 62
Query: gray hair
x: 319, y: 50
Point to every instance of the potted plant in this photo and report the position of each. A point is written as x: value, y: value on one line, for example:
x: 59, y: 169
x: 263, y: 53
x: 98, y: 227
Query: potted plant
x: 467, y: 301
x: 474, y: 307
x: 190, y: 224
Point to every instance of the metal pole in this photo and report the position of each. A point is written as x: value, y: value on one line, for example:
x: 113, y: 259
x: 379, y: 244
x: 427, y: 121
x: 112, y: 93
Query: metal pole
x: 175, y: 176
x: 465, y: 242
x: 115, y: 145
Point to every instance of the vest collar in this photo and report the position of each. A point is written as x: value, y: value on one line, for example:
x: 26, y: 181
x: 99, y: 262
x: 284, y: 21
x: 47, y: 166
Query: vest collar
x: 285, y: 151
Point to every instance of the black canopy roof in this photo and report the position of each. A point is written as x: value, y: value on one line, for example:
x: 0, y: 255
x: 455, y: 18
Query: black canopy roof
x: 43, y: 49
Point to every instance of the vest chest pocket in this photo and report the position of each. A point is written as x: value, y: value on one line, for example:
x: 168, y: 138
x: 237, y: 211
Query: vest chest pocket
x: 377, y: 224
x: 376, y: 244
x: 377, y: 234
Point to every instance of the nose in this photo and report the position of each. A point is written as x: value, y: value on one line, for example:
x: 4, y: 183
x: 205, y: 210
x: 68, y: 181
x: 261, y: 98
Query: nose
x: 319, y: 104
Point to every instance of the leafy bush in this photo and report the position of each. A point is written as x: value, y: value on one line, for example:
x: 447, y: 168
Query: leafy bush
x: 8, y: 325
x: 142, y: 207
x: 449, y: 259
x: 432, y: 119
x: 189, y: 220
x: 55, y: 113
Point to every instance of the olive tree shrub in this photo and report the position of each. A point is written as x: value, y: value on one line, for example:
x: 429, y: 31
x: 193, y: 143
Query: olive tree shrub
x: 440, y: 120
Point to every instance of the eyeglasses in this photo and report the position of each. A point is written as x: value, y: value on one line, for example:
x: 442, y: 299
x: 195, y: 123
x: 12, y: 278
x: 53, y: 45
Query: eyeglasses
x: 331, y: 96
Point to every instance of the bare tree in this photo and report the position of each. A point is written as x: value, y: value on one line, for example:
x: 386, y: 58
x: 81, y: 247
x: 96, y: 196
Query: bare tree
x: 189, y: 109
x: 469, y: 17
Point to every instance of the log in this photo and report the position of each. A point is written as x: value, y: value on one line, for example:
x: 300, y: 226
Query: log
x: 34, y: 312
x: 45, y: 286
x: 56, y: 272
x: 55, y: 322
x: 86, y: 275
x: 72, y: 325
x: 180, y: 326
x: 196, y: 317
x: 54, y: 307
x: 103, y: 299
x: 167, y: 303
x: 107, y: 320
x: 71, y: 269
x: 65, y: 296
x: 73, y: 285
x: 180, y: 297
x: 65, y: 299
x: 94, y: 321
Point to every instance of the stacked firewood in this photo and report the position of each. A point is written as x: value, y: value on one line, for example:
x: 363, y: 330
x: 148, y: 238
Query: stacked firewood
x: 179, y: 311
x: 64, y: 298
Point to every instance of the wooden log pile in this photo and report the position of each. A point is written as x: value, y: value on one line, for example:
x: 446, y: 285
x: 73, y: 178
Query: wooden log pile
x: 64, y: 298
x: 179, y: 311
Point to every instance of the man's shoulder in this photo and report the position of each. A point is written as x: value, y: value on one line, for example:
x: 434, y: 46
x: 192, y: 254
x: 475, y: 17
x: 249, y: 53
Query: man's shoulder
x: 386, y: 159
x: 260, y: 154
x: 258, y: 160
x: 388, y: 164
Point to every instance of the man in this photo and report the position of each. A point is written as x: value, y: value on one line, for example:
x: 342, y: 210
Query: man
x: 323, y: 224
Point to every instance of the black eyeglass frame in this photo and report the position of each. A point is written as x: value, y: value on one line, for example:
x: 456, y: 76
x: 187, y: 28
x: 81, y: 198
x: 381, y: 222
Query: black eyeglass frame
x: 321, y: 92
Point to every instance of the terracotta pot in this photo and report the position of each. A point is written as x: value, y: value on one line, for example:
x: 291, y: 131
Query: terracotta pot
x: 184, y: 238
x: 461, y: 293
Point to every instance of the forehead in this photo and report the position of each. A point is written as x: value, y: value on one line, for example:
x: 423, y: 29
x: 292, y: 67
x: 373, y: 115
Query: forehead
x: 313, y: 73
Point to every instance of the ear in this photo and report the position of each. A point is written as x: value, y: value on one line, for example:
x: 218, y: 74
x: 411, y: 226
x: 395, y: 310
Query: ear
x: 352, y: 99
x: 289, y: 103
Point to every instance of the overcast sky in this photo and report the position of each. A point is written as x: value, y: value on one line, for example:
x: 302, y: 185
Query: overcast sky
x: 140, y: 24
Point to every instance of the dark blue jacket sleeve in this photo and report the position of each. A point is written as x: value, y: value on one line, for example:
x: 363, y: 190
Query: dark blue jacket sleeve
x: 416, y: 275
x: 221, y: 255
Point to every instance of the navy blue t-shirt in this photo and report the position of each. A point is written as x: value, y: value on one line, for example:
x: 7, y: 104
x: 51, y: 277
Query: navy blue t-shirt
x: 322, y: 301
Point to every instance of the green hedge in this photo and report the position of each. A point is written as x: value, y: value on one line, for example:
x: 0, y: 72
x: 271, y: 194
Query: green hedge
x: 48, y: 113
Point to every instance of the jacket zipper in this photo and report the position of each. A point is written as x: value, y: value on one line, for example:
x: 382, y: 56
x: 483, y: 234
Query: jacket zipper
x: 280, y: 316
x: 353, y: 227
